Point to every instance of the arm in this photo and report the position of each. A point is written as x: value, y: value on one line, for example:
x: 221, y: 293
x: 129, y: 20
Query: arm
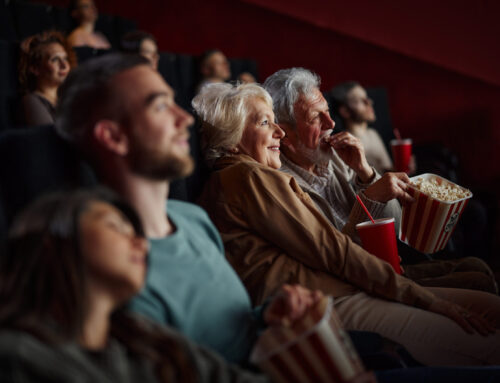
x: 280, y: 212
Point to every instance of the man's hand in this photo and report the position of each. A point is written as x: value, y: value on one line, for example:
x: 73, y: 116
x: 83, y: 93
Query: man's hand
x: 290, y: 304
x: 352, y: 152
x: 390, y: 186
x: 466, y: 319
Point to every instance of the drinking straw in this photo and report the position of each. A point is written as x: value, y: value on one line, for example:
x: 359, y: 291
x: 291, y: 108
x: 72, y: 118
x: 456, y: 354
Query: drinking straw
x: 397, y: 134
x: 364, y: 207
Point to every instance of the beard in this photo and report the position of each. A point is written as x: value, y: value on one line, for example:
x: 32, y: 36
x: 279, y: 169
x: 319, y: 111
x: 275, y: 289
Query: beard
x: 158, y: 165
x: 320, y: 155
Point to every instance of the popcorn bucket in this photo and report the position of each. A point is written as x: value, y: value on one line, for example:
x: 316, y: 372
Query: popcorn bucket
x: 315, y: 349
x: 427, y: 223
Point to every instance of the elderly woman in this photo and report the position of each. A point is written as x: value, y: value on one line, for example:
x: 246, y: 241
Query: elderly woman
x: 44, y: 64
x: 274, y: 234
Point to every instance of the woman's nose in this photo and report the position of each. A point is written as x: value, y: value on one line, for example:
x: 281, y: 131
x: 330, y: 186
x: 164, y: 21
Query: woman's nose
x: 141, y: 243
x: 278, y: 132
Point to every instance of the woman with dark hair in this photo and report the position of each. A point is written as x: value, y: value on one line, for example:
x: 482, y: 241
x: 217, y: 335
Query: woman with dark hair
x: 72, y: 260
x: 141, y: 43
x: 44, y: 64
x: 84, y: 13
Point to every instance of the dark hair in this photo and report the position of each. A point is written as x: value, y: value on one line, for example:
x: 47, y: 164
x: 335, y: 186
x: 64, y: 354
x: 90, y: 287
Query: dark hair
x: 32, y: 52
x: 206, y: 55
x: 43, y: 282
x: 131, y: 41
x: 87, y: 95
x: 338, y: 95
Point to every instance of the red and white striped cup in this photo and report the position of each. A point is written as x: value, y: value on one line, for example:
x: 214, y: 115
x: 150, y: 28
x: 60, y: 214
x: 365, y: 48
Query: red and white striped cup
x: 427, y: 223
x: 316, y: 349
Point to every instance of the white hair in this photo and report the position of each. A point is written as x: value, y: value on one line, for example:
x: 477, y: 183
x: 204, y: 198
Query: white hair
x: 286, y: 86
x: 223, y: 110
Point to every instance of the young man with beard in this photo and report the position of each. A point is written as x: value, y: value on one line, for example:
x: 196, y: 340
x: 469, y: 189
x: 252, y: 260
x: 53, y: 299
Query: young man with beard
x: 356, y: 110
x: 123, y: 117
x: 333, y: 169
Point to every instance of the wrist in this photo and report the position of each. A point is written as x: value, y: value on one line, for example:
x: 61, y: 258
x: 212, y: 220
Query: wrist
x: 366, y: 174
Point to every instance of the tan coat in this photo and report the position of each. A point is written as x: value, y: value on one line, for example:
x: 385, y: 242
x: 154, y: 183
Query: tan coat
x: 274, y: 234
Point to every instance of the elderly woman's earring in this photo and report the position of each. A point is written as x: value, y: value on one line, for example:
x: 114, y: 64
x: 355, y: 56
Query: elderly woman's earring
x: 234, y: 150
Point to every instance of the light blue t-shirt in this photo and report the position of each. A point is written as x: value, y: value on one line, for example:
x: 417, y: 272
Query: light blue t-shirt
x: 192, y: 287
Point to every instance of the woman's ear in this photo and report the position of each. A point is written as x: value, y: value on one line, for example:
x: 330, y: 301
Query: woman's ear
x: 111, y: 136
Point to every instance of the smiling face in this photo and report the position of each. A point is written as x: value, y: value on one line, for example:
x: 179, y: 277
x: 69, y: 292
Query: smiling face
x: 114, y: 255
x: 261, y: 136
x: 157, y: 128
x: 54, y: 67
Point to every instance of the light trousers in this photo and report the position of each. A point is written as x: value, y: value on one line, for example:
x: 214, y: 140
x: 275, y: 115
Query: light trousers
x: 432, y: 339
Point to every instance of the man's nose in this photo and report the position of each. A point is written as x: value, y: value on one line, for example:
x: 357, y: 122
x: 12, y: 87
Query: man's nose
x: 328, y: 123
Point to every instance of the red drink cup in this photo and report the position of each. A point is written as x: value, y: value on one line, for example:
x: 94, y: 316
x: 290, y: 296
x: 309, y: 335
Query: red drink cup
x: 401, y: 154
x: 379, y: 239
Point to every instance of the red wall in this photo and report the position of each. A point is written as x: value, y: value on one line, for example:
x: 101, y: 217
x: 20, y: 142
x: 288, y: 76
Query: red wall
x: 441, y: 72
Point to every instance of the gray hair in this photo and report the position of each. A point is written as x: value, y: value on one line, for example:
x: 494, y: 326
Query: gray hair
x: 223, y: 110
x: 286, y: 86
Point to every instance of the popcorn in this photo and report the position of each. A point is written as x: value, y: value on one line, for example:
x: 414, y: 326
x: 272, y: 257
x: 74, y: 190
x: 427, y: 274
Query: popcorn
x: 429, y: 221
x: 441, y: 189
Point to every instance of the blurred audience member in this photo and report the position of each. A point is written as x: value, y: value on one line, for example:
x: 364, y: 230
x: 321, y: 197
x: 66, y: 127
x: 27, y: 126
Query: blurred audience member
x: 72, y: 261
x: 214, y: 68
x: 84, y: 12
x: 45, y: 61
x: 142, y: 43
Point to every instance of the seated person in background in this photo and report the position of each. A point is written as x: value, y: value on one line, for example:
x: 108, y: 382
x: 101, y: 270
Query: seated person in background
x: 356, y: 110
x: 84, y: 12
x: 44, y: 63
x: 141, y: 43
x: 334, y: 169
x: 214, y: 67
x: 136, y: 138
x: 71, y: 263
x: 273, y: 233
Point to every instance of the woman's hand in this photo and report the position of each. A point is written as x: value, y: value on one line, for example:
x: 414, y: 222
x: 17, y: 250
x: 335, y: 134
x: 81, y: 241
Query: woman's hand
x: 290, y: 304
x: 466, y: 319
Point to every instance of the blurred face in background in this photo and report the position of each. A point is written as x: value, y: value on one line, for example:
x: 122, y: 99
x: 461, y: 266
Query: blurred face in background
x: 85, y: 11
x: 360, y: 106
x: 149, y: 50
x: 54, y: 67
x: 217, y: 66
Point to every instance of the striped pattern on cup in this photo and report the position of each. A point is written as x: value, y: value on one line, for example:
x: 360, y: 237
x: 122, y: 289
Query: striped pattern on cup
x: 427, y: 224
x: 316, y: 349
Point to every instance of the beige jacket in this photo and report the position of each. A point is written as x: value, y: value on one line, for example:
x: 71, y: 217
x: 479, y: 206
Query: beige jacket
x: 274, y: 234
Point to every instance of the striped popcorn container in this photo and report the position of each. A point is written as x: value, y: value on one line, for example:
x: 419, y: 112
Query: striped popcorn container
x: 427, y: 223
x: 315, y: 349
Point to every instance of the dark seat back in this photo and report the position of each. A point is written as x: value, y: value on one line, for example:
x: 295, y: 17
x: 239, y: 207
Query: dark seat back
x: 33, y: 162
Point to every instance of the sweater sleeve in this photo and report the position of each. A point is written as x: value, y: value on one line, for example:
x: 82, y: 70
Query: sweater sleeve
x: 284, y: 215
x: 212, y: 368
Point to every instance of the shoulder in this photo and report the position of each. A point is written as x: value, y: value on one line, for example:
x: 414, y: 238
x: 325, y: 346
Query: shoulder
x: 192, y: 218
x: 186, y: 210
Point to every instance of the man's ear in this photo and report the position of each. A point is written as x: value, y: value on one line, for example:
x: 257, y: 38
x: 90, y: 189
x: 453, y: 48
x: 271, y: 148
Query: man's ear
x: 110, y: 135
x: 344, y: 112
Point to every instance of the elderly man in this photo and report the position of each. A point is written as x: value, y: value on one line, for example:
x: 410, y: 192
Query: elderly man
x: 333, y: 169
